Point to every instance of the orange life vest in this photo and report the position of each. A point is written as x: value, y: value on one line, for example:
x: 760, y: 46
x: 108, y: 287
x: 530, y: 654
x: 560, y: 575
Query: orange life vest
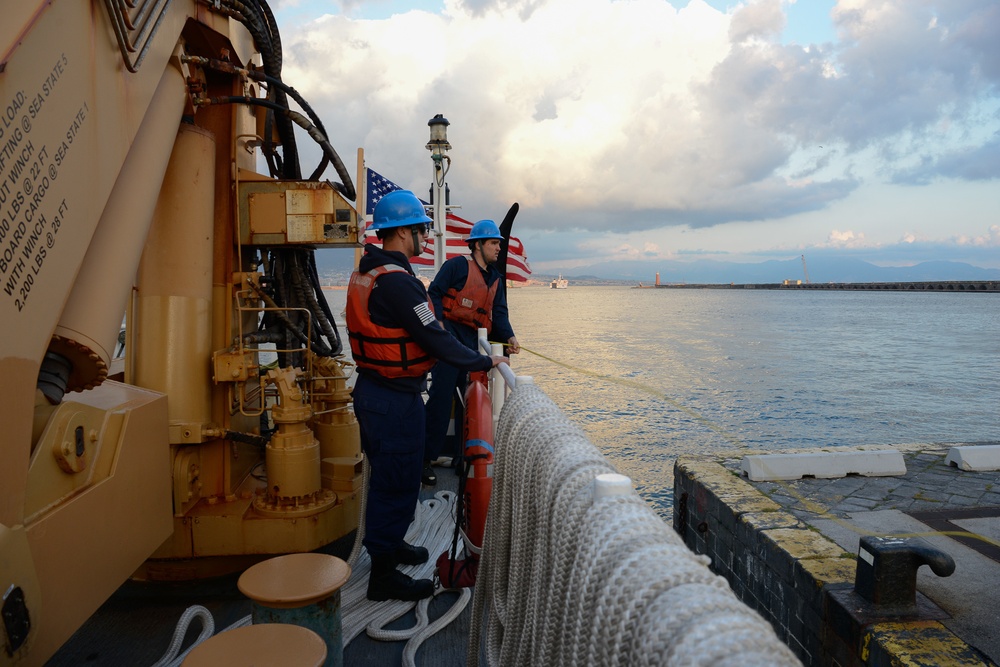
x: 473, y: 305
x: 390, y: 351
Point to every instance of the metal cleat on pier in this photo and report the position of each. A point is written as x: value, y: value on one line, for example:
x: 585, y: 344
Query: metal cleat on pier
x: 887, y: 572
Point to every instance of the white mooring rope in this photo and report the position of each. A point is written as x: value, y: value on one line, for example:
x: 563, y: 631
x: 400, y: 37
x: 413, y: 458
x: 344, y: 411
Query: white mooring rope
x: 569, y: 580
x: 564, y: 579
x: 174, y: 656
x: 433, y: 527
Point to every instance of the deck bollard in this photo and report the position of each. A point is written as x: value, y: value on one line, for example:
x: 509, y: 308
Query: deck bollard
x: 300, y: 589
x: 268, y: 644
x: 887, y: 571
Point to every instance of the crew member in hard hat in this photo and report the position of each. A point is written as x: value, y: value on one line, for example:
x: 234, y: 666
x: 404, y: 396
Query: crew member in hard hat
x: 467, y: 296
x: 395, y: 339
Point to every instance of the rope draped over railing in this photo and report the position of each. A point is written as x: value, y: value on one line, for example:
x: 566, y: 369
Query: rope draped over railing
x: 564, y: 578
x: 568, y: 580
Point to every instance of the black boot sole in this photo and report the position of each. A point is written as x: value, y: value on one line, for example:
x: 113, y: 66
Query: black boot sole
x: 428, y: 477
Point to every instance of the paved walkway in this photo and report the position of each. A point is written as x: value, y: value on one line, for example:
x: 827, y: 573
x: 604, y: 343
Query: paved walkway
x: 956, y: 511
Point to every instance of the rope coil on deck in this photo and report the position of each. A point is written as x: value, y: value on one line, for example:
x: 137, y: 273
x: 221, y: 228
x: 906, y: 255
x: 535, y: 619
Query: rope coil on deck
x: 432, y: 527
x: 567, y: 580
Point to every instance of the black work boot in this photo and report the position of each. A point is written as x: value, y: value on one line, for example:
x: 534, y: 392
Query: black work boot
x: 387, y: 583
x: 409, y: 554
x: 428, y: 477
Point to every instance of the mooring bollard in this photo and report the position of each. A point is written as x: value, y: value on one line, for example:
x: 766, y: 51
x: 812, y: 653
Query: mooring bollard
x: 301, y: 589
x: 887, y: 571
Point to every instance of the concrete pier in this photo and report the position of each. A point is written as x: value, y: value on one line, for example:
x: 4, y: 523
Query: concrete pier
x: 956, y: 286
x: 790, y: 549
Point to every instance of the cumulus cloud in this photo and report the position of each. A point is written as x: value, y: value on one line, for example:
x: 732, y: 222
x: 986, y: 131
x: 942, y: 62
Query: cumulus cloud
x: 846, y: 239
x: 763, y: 19
x: 479, y: 8
x: 597, y: 115
x: 991, y: 239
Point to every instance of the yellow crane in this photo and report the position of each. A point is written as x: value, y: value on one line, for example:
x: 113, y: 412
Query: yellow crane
x: 804, y: 269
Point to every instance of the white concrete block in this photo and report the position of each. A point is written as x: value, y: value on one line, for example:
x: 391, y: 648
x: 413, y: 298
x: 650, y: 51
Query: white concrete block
x: 823, y: 465
x: 980, y: 458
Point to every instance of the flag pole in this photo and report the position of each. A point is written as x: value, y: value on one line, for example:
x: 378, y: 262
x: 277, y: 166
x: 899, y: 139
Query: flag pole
x: 439, y: 147
x: 361, y: 206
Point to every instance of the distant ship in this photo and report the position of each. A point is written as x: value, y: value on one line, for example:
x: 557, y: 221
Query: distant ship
x: 560, y: 282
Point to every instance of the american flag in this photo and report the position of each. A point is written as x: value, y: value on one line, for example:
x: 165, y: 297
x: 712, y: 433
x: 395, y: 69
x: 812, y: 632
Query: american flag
x: 458, y: 228
x: 377, y: 187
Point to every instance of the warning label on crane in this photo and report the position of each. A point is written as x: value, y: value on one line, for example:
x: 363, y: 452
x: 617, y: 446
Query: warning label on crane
x: 29, y: 166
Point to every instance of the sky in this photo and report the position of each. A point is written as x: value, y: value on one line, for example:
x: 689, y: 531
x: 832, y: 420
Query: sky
x: 655, y: 130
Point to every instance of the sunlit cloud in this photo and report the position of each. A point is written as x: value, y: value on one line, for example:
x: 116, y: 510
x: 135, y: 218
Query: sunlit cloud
x: 846, y: 239
x: 991, y: 239
x: 627, y: 117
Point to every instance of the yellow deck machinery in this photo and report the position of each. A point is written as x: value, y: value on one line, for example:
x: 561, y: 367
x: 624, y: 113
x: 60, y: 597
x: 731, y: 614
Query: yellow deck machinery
x: 214, y: 427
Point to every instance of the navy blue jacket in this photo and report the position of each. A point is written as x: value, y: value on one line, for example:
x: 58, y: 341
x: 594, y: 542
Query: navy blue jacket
x: 400, y: 300
x: 454, y: 273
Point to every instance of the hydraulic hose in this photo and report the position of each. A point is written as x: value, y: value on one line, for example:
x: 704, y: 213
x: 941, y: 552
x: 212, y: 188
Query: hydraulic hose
x: 299, y: 290
x: 257, y: 75
x: 262, y: 337
x: 346, y: 188
x: 260, y: 29
x: 271, y: 156
x: 306, y: 281
x: 317, y: 347
x: 247, y: 438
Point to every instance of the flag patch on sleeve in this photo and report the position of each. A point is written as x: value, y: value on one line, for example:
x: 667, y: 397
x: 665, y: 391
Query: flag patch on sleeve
x: 424, y: 312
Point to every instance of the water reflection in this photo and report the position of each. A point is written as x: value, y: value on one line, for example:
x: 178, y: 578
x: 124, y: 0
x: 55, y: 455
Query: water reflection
x: 651, y: 374
x: 711, y: 370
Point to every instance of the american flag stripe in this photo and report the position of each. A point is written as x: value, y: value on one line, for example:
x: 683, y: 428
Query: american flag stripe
x: 518, y: 268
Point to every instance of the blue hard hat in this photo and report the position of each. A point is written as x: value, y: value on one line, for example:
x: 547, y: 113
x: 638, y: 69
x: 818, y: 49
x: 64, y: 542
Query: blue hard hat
x: 484, y: 229
x: 399, y: 208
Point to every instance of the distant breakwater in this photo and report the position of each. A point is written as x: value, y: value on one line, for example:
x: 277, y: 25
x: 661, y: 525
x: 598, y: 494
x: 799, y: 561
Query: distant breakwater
x: 963, y: 286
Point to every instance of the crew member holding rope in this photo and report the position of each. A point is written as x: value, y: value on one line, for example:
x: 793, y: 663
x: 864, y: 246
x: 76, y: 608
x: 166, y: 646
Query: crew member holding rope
x: 395, y: 339
x: 466, y: 295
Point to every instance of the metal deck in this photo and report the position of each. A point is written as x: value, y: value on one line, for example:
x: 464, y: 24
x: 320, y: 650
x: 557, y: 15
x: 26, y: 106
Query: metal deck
x: 134, y: 627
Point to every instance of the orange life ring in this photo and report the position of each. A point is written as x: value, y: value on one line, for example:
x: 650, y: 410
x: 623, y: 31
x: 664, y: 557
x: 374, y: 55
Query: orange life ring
x: 479, y: 455
x: 474, y: 489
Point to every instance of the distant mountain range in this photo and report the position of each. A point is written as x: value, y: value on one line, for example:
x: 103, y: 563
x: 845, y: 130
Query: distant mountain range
x: 335, y: 267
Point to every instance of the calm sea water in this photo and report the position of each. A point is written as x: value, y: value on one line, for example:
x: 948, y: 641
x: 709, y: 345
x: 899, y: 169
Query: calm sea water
x: 650, y: 374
